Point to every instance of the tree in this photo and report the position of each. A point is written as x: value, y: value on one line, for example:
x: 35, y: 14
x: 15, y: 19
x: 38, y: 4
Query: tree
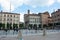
x: 39, y: 25
x: 21, y: 25
x: 58, y: 25
x: 8, y: 26
x: 30, y: 26
x: 44, y: 26
x: 0, y: 25
x: 3, y: 26
x: 15, y: 27
x: 50, y: 25
x: 35, y: 26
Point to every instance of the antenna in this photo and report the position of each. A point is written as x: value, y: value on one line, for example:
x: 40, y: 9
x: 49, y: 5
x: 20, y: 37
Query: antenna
x: 28, y: 11
x: 10, y: 7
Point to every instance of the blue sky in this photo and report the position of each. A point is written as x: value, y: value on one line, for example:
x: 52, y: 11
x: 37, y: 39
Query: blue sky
x: 36, y: 6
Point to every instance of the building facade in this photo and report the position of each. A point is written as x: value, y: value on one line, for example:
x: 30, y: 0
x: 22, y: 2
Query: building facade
x: 45, y: 18
x: 32, y: 19
x: 9, y: 20
x: 37, y: 20
x: 50, y: 22
x: 56, y: 18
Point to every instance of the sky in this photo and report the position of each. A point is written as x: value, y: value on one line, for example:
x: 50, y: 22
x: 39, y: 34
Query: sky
x: 35, y: 6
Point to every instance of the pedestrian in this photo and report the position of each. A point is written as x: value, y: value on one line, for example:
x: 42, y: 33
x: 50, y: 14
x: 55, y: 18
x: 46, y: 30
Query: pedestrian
x: 19, y: 35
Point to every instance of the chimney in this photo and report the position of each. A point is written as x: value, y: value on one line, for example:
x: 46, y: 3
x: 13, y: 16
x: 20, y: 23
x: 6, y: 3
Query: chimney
x: 28, y: 11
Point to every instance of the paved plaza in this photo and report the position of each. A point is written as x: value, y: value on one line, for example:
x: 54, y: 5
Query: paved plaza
x: 52, y: 36
x: 40, y: 37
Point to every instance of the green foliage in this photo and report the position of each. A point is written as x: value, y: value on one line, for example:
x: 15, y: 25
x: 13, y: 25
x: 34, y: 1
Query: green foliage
x: 30, y: 26
x: 44, y: 26
x: 15, y: 26
x: 0, y: 25
x: 35, y: 26
x: 58, y: 23
x: 50, y: 24
x: 39, y: 25
x: 21, y: 25
x: 3, y: 26
x: 9, y: 26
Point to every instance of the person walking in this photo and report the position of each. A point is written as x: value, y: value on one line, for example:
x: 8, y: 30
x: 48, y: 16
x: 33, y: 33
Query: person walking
x: 19, y: 35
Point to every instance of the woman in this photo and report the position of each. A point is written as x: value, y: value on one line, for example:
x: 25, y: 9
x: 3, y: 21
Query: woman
x: 19, y: 35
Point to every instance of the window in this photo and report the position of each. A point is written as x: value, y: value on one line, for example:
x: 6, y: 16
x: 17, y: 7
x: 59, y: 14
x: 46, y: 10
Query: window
x: 55, y: 16
x: 14, y: 15
x: 7, y: 15
x: 30, y: 21
x: 10, y: 15
x: 10, y: 19
x: 7, y: 19
x: 55, y: 20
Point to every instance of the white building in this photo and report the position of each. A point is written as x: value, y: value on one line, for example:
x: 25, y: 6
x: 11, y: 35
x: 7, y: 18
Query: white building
x: 9, y: 18
x: 32, y: 20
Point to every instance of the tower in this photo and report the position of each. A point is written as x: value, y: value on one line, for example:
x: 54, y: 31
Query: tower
x: 28, y: 11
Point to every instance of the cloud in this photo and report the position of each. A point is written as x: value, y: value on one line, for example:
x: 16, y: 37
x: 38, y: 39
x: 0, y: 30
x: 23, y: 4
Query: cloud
x: 17, y: 3
x: 35, y: 3
x: 6, y: 5
x: 14, y: 4
x: 58, y: 1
